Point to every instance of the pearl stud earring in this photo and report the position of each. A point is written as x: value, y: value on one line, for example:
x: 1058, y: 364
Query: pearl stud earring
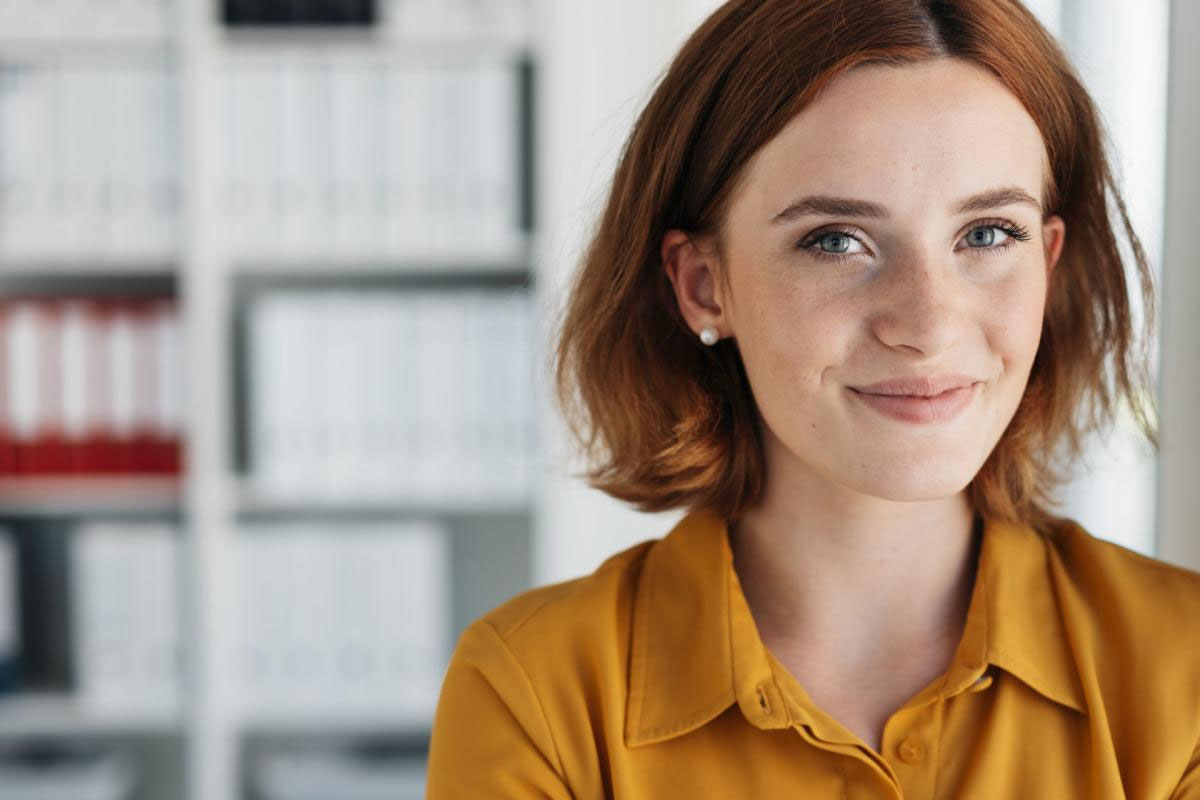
x: 708, y: 335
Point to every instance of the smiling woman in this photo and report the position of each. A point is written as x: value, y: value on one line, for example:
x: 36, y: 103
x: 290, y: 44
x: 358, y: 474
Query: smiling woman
x: 906, y: 293
x: 855, y: 303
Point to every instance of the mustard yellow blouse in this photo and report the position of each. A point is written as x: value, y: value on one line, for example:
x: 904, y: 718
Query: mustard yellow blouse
x: 1077, y: 676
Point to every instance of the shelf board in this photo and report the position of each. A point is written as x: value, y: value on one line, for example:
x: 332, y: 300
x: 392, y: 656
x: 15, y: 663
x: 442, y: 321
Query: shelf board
x: 378, y: 42
x: 446, y: 259
x: 338, y: 721
x: 85, y: 266
x: 55, y: 496
x: 252, y: 502
x: 79, y: 46
x: 55, y: 714
x: 387, y: 37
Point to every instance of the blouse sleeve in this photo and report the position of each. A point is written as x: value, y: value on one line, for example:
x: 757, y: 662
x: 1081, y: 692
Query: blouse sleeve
x: 490, y: 737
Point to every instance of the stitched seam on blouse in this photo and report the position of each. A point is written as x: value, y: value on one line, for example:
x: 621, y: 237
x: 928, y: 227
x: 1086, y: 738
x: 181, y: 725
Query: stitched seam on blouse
x: 634, y: 560
x: 709, y: 711
x: 728, y: 591
x: 558, y: 765
x: 941, y: 729
x: 730, y: 577
x: 640, y: 647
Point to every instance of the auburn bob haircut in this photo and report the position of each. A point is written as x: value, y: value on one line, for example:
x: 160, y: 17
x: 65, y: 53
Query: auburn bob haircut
x: 667, y: 422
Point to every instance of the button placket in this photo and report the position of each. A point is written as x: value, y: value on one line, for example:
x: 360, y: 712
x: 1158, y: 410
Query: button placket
x: 911, y: 747
x: 763, y: 703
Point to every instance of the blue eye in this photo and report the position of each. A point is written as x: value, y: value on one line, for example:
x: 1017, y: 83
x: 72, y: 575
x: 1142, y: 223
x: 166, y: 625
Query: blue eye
x: 839, y: 244
x: 1013, y: 234
x: 986, y: 240
x: 982, y: 234
x: 840, y: 240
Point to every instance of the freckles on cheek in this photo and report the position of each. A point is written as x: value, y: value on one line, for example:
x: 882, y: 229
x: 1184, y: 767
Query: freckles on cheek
x: 786, y: 332
x: 1015, y: 342
x: 1025, y: 329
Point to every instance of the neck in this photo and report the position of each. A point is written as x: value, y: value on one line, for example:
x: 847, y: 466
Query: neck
x: 849, y: 582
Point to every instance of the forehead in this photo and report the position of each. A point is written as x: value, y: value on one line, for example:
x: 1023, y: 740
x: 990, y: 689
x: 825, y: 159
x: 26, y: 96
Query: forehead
x: 907, y: 137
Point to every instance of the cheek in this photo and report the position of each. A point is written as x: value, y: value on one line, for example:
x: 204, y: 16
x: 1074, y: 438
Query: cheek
x: 1017, y: 322
x: 788, y: 341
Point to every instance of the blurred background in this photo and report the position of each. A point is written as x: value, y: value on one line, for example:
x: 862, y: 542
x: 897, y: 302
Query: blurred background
x: 276, y: 284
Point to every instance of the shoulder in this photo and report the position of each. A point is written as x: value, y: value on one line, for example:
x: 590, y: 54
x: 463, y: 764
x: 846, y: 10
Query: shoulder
x: 527, y: 679
x: 1123, y: 581
x: 543, y: 626
x: 539, y: 669
x: 1134, y: 627
x: 1134, y: 621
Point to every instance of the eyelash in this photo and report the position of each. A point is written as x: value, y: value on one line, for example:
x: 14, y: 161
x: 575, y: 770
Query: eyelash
x: 1016, y: 233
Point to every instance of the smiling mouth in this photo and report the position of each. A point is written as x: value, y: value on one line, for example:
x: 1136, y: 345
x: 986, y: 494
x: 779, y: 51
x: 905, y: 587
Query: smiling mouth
x: 917, y: 409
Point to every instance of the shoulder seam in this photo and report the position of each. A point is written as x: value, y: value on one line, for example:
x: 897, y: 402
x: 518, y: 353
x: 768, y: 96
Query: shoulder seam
x: 558, y: 765
x: 608, y: 566
x: 1147, y: 560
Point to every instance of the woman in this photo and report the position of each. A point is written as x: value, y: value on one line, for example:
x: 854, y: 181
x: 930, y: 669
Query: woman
x: 855, y: 304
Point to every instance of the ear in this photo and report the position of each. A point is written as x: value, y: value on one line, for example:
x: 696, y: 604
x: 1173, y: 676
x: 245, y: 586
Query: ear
x: 693, y: 269
x: 1054, y: 232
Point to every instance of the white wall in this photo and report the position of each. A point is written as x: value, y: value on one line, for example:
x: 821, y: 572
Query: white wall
x: 1049, y: 12
x: 1179, y: 474
x: 1120, y: 50
x: 602, y: 61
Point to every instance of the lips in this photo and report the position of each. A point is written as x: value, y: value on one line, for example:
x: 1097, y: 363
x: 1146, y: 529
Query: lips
x: 918, y: 409
x: 918, y: 386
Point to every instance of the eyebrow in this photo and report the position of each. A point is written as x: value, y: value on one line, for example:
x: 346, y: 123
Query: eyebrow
x: 826, y: 205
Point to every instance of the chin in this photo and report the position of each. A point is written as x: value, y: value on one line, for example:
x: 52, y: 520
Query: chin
x: 914, y: 482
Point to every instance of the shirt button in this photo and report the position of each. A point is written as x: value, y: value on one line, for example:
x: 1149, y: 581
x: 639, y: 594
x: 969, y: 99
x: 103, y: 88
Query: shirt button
x: 911, y: 750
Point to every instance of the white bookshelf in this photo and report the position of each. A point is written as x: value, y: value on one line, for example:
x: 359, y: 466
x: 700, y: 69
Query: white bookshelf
x: 54, y: 715
x: 199, y: 752
x: 198, y: 749
x: 90, y: 496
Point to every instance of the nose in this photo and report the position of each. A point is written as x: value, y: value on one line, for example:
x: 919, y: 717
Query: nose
x: 919, y: 307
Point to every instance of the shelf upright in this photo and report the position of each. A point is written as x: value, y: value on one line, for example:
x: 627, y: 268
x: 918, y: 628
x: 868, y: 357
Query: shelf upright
x: 210, y: 750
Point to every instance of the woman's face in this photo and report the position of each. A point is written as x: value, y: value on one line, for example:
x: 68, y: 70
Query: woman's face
x: 921, y: 252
